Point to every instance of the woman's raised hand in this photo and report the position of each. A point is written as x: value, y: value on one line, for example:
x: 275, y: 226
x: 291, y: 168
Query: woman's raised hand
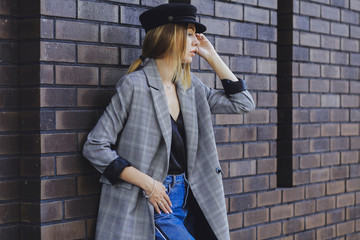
x: 206, y: 49
x: 159, y: 199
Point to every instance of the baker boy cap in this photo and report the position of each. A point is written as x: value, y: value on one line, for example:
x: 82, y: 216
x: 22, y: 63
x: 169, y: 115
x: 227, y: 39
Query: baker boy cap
x: 179, y: 13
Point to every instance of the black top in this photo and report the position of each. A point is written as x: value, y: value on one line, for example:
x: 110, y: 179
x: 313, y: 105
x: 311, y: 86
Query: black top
x: 178, y: 160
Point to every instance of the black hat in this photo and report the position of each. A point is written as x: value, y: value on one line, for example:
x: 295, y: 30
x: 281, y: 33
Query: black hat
x: 170, y: 13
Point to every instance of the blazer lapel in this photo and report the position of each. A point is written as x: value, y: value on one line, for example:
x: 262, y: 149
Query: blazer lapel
x: 188, y: 110
x: 160, y: 102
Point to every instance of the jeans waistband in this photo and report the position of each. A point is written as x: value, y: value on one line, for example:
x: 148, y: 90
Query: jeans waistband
x: 175, y: 178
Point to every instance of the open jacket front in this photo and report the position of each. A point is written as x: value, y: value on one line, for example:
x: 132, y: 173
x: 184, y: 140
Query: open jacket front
x: 136, y: 126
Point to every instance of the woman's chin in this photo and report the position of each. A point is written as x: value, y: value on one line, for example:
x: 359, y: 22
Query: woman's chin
x: 186, y: 60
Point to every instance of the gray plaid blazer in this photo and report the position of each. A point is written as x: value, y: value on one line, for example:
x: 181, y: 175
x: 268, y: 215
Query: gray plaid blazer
x: 136, y: 125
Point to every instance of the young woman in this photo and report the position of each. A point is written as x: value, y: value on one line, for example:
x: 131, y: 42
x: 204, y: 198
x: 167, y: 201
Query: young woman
x: 154, y: 144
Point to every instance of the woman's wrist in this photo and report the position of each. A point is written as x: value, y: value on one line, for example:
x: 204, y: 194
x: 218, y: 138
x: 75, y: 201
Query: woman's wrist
x: 148, y: 185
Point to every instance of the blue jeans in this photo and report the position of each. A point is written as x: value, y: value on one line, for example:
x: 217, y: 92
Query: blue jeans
x: 174, y: 226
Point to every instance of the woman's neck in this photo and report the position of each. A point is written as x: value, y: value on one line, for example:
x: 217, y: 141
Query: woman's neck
x: 166, y: 69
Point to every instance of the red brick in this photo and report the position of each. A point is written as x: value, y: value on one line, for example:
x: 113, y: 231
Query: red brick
x: 243, y: 134
x: 310, y: 161
x: 301, y: 177
x: 308, y: 131
x: 58, y: 142
x: 326, y: 233
x: 319, y: 175
x: 335, y: 187
x: 57, y: 52
x: 266, y: 166
x: 9, y: 190
x: 221, y: 134
x: 230, y: 151
x: 345, y: 200
x: 57, y: 97
x: 54, y: 188
x: 216, y: 26
x: 235, y: 220
x: 91, y: 226
x: 335, y: 216
x: 350, y: 129
x: 98, y: 11
x: 269, y: 198
x: 81, y: 207
x: 339, y: 86
x: 94, y: 97
x: 9, y: 121
x: 76, y: 119
x: 66, y: 8
x: 229, y: 119
x: 319, y: 145
x: 63, y: 231
x: 314, y: 221
x: 225, y: 168
x: 51, y: 211
x: 293, y: 225
x: 345, y: 228
x: 269, y: 230
x: 328, y: 130
x: 9, y: 144
x: 315, y: 190
x: 77, y: 31
x: 110, y: 76
x: 232, y: 186
x: 74, y: 75
x: 325, y: 203
x: 339, y: 115
x: 258, y: 116
x: 293, y: 194
x: 267, y: 133
x: 256, y: 217
x: 353, y: 213
x: 244, y: 234
x: 242, y: 168
x: 9, y: 213
x: 230, y: 46
x: 73, y: 164
x: 355, y: 142
x: 88, y: 184
x: 243, y: 202
x: 281, y: 212
x: 339, y: 172
x: 306, y: 235
x: 9, y: 98
x: 98, y: 54
x: 330, y: 159
x: 353, y: 185
x: 256, y: 183
x: 341, y: 143
x: 256, y: 150
x: 9, y: 167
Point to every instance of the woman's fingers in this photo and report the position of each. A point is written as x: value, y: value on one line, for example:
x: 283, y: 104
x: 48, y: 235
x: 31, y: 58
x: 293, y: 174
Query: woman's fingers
x: 160, y: 200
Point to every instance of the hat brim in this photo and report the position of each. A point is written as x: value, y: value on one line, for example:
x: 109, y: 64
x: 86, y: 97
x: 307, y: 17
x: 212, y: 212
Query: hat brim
x: 200, y: 28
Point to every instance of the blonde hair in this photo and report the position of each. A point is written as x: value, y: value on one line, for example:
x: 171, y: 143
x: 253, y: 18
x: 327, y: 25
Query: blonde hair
x: 169, y: 39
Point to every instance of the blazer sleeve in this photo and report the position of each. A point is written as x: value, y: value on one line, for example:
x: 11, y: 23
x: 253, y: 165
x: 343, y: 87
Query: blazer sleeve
x: 99, y: 146
x: 233, y: 99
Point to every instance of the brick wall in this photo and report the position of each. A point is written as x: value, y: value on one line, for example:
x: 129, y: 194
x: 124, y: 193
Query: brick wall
x: 9, y: 121
x: 60, y: 60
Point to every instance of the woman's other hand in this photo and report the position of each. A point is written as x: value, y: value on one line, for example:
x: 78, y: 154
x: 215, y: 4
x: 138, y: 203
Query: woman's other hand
x: 159, y: 199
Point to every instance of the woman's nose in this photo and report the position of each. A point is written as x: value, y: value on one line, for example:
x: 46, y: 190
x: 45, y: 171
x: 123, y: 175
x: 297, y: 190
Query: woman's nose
x: 196, y: 41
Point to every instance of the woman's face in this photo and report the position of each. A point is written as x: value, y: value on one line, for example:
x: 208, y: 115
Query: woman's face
x: 192, y: 44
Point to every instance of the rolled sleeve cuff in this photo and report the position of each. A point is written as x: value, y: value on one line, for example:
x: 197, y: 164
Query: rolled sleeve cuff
x: 232, y: 87
x: 114, y: 169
